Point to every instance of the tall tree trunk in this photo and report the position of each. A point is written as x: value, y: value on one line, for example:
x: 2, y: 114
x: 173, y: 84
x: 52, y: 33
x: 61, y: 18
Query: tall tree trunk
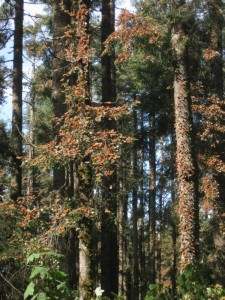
x: 159, y: 242
x: 31, y: 175
x: 216, y: 87
x: 61, y: 19
x: 121, y: 240
x: 216, y: 21
x: 142, y: 211
x: 152, y: 197
x: 174, y: 226
x: 216, y: 83
x: 108, y: 59
x: 17, y: 90
x: 185, y: 162
x: 135, y: 267
x: 109, y: 253
x: 84, y: 172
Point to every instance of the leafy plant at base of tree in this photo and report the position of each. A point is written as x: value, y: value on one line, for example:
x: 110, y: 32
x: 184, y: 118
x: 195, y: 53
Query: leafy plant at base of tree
x: 47, y: 281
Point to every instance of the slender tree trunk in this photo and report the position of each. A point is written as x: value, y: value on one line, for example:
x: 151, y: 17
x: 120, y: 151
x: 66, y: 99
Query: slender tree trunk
x: 152, y: 198
x: 159, y: 242
x: 216, y: 20
x: 109, y: 252
x: 31, y: 175
x: 216, y: 85
x: 135, y: 267
x: 17, y: 90
x: 185, y: 163
x: 173, y: 218
x: 121, y: 224
x: 174, y: 261
x: 142, y: 213
x: 216, y: 89
x: 61, y: 19
x: 108, y: 59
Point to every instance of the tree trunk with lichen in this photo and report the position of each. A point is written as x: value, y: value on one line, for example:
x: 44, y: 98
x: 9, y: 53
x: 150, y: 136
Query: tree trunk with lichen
x: 17, y: 116
x: 185, y: 162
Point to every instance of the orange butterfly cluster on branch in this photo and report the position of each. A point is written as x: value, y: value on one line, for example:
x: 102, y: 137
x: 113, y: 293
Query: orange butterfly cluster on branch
x: 130, y: 28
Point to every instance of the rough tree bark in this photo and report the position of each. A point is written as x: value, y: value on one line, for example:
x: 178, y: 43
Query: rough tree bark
x: 17, y: 116
x: 185, y: 162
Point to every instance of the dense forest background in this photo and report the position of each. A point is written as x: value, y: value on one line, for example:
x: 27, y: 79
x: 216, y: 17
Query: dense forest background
x: 112, y: 169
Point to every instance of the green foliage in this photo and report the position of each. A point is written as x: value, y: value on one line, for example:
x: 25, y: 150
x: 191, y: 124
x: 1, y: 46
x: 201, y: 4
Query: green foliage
x: 47, y: 281
x: 158, y: 292
x: 192, y: 284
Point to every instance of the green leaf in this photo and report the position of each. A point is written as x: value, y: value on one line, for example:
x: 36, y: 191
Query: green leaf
x: 39, y: 271
x: 61, y: 286
x: 42, y: 296
x: 29, y: 290
x: 33, y: 257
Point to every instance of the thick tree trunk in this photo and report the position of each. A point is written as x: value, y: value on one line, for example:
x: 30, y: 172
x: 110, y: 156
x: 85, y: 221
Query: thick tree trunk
x: 185, y: 163
x: 152, y: 198
x: 135, y: 267
x: 17, y: 90
x: 109, y: 251
x: 83, y: 169
x: 61, y: 20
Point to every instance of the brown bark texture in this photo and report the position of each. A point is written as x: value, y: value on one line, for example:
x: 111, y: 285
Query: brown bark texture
x: 17, y: 115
